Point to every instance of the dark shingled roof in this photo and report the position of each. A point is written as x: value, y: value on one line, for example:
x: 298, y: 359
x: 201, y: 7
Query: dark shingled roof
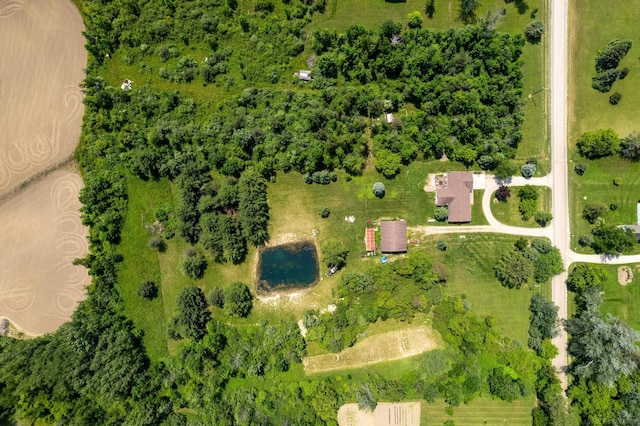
x: 393, y: 236
x: 455, y: 192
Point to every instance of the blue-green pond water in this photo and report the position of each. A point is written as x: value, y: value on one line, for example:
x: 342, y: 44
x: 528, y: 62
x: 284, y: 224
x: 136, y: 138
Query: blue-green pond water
x: 288, y: 266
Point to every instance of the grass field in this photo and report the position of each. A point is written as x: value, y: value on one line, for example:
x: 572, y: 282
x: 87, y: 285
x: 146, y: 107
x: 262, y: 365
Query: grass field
x: 483, y: 411
x: 596, y: 186
x: 141, y: 263
x: 590, y: 109
x: 509, y: 214
x: 470, y: 259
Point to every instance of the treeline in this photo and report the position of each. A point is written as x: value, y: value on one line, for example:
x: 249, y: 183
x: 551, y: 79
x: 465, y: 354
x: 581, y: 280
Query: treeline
x: 604, y: 352
x: 465, y: 82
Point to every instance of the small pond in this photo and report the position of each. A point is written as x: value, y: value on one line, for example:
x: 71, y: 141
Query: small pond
x: 288, y: 266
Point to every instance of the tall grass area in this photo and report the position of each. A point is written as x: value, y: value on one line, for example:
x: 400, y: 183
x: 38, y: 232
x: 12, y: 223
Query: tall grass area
x: 509, y: 213
x: 140, y: 263
x: 590, y: 110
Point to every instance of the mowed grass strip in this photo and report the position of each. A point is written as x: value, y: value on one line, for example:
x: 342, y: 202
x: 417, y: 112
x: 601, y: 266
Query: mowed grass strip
x: 379, y: 348
x: 483, y: 411
x: 509, y: 213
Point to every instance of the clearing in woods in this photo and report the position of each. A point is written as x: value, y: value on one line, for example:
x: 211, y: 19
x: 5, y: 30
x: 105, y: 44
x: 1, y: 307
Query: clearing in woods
x: 390, y: 346
x: 40, y: 117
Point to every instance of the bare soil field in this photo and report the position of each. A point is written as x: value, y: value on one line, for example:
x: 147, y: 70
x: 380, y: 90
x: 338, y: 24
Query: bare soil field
x: 41, y: 110
x: 385, y: 414
x: 390, y: 346
x: 41, y: 235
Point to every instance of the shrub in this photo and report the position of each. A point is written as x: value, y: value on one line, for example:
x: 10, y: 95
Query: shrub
x: 441, y: 214
x: 503, y: 193
x: 378, y: 189
x: 613, y: 207
x: 598, y: 144
x: 585, y: 240
x: 442, y: 245
x: 324, y: 212
x: 486, y: 162
x: 334, y: 253
x: 415, y: 20
x: 542, y: 218
x: 238, y: 300
x: 528, y: 170
x: 148, y: 290
x: 615, y: 98
x: 216, y: 297
x: 591, y: 212
x: 193, y: 264
x: 534, y: 31
x: 156, y: 243
x: 527, y: 208
x: 623, y: 73
x: 617, y: 181
x: 580, y: 168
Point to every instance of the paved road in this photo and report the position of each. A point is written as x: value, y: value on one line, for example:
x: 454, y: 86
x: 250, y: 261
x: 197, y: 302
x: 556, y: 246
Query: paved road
x: 560, y: 194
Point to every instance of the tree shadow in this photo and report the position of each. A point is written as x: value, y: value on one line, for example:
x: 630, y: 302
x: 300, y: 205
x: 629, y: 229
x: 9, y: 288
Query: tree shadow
x: 430, y: 9
x: 521, y: 6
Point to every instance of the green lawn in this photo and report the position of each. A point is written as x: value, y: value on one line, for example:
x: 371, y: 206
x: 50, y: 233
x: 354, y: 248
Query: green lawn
x: 509, y: 214
x: 483, y: 411
x: 596, y: 186
x: 590, y: 109
x: 470, y: 259
x: 622, y: 301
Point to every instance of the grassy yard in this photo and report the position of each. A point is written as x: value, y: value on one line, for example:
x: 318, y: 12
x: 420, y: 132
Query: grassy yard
x: 590, y: 109
x: 483, y: 411
x: 622, y: 301
x: 470, y: 259
x: 509, y: 214
x: 596, y: 186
